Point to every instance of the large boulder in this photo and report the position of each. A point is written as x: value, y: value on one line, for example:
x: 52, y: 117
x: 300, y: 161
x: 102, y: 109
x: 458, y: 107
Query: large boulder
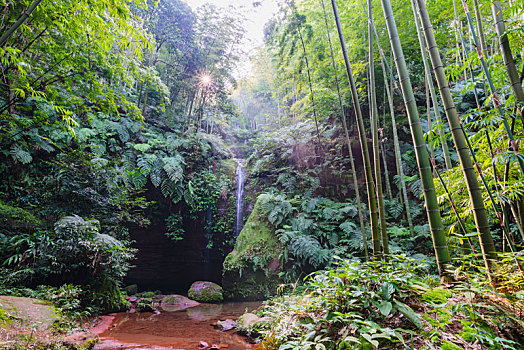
x: 205, y: 292
x: 250, y: 271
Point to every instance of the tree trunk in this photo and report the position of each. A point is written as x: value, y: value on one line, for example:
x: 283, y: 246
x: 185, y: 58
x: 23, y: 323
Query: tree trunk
x: 427, y: 71
x: 479, y: 212
x: 348, y: 141
x: 505, y: 48
x: 423, y: 162
x: 398, y: 158
x: 374, y: 133
x: 362, y: 134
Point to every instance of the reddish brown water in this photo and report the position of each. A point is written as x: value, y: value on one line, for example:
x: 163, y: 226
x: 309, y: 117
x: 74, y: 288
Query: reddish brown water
x: 177, y: 329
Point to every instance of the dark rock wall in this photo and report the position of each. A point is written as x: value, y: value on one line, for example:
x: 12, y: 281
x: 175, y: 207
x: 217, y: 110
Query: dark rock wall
x: 169, y: 266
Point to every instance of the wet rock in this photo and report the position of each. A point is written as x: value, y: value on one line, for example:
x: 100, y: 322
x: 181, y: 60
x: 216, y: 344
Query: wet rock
x: 205, y: 292
x: 226, y: 325
x: 132, y: 299
x: 131, y: 289
x: 245, y: 321
x: 176, y: 302
x: 86, y: 340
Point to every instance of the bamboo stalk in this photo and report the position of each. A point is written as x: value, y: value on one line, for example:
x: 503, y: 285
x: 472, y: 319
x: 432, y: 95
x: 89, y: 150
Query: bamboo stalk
x: 494, y: 95
x: 427, y: 72
x: 479, y: 212
x: 374, y: 133
x: 423, y: 162
x: 398, y: 159
x: 362, y: 133
x: 23, y: 17
x: 348, y: 141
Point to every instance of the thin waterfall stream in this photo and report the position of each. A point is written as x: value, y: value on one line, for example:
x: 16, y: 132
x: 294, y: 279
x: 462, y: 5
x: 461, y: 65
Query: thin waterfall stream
x: 240, y: 179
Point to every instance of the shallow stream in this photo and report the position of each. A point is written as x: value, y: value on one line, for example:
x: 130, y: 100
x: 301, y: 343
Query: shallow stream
x: 183, y: 329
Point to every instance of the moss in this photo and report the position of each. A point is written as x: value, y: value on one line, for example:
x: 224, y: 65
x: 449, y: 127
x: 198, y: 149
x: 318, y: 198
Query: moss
x: 107, y: 296
x: 255, y: 246
x: 247, y: 273
x: 16, y: 218
x: 4, y: 316
x: 437, y: 295
x: 446, y: 345
x: 211, y: 293
x: 229, y: 167
x: 468, y: 334
x: 89, y: 344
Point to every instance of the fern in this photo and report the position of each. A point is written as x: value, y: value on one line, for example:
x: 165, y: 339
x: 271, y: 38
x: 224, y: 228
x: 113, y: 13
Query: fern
x: 189, y: 195
x: 145, y: 162
x: 395, y: 208
x: 21, y: 155
x: 173, y: 167
x: 277, y: 208
x: 157, y: 173
x: 142, y: 147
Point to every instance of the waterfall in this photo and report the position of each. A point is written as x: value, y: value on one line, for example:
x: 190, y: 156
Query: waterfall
x: 240, y: 178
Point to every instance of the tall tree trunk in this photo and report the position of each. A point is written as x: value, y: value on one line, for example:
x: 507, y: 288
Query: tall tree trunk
x: 362, y: 135
x: 398, y: 158
x: 374, y: 133
x: 505, y: 48
x: 427, y: 71
x: 310, y: 86
x: 23, y: 17
x: 348, y: 141
x: 494, y: 95
x: 475, y: 194
x: 423, y: 162
x: 478, y: 16
x: 384, y: 159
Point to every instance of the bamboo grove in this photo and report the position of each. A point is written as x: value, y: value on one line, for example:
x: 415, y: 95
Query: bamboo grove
x: 458, y: 72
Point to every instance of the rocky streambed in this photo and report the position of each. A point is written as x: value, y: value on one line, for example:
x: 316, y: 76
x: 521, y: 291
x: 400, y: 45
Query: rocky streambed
x: 192, y: 326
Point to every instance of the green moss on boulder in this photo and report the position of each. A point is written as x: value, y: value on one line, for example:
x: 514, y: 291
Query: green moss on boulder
x: 205, y: 292
x: 229, y: 167
x: 251, y: 270
x: 27, y: 313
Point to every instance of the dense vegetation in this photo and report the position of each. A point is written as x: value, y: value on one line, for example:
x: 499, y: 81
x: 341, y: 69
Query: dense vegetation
x: 381, y: 141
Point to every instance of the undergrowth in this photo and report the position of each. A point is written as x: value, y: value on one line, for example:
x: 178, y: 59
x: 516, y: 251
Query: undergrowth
x: 385, y: 305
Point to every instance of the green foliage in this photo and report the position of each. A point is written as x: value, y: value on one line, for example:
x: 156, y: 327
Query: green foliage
x: 175, y: 231
x: 377, y: 305
x: 436, y: 295
x: 346, y: 307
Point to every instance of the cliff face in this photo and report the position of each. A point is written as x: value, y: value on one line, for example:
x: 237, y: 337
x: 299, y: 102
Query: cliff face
x: 172, y: 266
x: 169, y: 266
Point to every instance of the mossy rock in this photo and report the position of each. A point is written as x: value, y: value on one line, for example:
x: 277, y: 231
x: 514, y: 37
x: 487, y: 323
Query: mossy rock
x: 437, y: 295
x: 27, y: 313
x: 251, y: 270
x: 205, y: 292
x: 229, y: 167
